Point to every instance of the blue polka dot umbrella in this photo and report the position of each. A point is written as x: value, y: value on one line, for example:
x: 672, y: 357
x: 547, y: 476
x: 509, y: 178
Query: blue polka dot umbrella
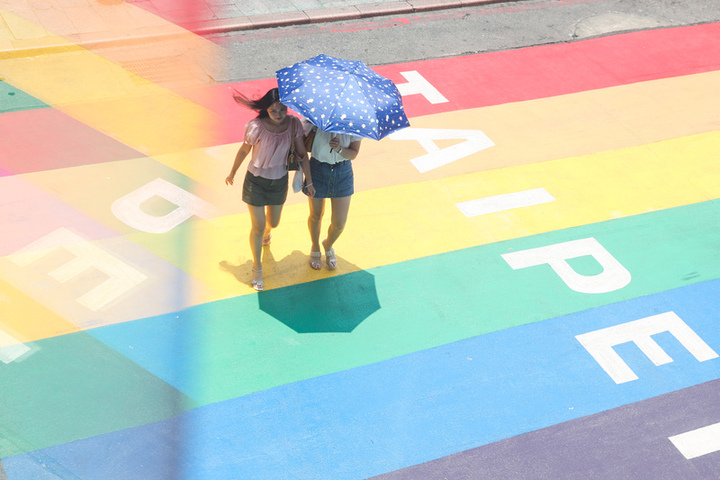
x: 342, y: 96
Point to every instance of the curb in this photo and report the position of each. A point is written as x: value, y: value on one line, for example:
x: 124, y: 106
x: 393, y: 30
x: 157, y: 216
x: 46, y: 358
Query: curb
x: 256, y: 22
x: 324, y: 15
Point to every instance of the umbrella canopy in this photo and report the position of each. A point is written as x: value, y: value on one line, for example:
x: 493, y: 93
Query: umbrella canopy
x: 342, y: 96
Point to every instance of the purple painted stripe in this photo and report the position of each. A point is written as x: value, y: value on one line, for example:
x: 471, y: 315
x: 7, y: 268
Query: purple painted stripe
x: 628, y: 442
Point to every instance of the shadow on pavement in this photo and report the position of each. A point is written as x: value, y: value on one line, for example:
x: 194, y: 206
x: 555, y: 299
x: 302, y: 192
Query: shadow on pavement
x: 335, y: 304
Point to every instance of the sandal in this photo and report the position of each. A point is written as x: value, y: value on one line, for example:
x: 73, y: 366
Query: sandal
x: 257, y: 284
x: 266, y: 240
x: 316, y: 260
x: 331, y: 259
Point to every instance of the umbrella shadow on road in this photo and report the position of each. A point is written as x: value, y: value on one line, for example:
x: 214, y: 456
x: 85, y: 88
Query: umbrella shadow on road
x: 310, y: 301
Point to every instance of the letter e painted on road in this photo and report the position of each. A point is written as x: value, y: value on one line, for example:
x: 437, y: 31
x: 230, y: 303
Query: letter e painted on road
x: 613, y: 277
x: 122, y: 276
x: 600, y: 343
x: 475, y: 141
x: 127, y: 209
x: 417, y: 85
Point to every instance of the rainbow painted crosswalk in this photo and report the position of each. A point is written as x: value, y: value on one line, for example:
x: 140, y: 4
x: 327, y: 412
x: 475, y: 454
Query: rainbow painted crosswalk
x: 528, y: 286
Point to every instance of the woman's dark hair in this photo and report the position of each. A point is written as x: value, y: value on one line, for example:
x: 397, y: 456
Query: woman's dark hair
x: 260, y: 105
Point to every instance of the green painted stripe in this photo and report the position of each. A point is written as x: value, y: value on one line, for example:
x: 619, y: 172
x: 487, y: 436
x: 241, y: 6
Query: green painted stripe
x: 73, y: 387
x: 13, y: 99
x: 235, y: 347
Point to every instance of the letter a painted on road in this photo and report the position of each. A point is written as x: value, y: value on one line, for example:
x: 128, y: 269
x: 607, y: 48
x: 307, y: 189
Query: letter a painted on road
x: 475, y: 141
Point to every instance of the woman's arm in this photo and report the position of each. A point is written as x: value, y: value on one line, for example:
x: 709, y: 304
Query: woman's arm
x: 305, y: 165
x: 348, y: 153
x: 239, y: 158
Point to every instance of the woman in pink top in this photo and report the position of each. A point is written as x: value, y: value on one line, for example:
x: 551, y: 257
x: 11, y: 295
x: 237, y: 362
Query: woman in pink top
x: 268, y: 136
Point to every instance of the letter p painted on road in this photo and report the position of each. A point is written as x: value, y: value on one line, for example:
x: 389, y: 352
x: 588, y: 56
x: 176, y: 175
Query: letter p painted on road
x: 613, y: 277
x: 127, y: 209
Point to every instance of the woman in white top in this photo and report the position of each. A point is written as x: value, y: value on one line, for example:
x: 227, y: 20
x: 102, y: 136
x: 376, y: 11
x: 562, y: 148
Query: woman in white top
x: 268, y: 136
x: 332, y: 177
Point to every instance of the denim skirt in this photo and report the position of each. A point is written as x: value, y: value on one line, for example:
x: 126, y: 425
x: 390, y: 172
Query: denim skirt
x: 332, y: 180
x: 259, y: 191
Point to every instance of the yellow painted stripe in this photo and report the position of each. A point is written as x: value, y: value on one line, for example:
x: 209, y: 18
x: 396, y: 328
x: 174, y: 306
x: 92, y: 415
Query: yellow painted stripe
x: 114, y: 100
x: 524, y: 132
x: 556, y: 127
x: 26, y: 320
x: 415, y: 220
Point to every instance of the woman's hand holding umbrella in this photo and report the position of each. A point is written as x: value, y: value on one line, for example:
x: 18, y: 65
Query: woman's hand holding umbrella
x: 335, y: 143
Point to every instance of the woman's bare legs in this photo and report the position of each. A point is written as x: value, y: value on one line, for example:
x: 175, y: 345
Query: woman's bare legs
x: 272, y: 220
x: 263, y: 219
x: 317, y: 209
x: 340, y: 208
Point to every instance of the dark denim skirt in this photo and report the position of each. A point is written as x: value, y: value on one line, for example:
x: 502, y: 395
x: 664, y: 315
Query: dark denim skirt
x: 332, y: 180
x: 259, y: 191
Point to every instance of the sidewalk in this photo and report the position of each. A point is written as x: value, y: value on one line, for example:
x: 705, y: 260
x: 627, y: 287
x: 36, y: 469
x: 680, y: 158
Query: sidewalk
x: 29, y: 27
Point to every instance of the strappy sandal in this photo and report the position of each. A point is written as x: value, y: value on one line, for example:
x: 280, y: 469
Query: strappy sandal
x: 266, y: 240
x: 258, y: 284
x: 316, y: 260
x: 331, y: 259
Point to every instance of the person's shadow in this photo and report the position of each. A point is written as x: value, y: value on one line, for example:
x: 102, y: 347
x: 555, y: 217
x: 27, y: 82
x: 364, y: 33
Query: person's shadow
x: 338, y: 302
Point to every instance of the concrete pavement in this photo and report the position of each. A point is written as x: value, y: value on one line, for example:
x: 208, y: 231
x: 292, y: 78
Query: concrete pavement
x: 30, y: 27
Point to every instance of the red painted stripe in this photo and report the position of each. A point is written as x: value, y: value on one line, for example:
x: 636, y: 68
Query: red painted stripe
x: 46, y: 139
x: 496, y: 78
x: 537, y: 72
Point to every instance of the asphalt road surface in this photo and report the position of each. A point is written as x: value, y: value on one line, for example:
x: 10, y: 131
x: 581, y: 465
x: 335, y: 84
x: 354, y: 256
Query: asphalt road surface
x: 256, y: 54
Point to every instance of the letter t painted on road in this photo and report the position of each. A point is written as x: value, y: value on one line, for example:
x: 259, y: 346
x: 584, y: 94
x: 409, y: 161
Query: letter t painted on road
x: 418, y: 85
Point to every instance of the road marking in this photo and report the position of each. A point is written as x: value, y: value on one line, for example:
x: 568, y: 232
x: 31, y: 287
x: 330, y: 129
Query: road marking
x: 11, y: 349
x: 699, y: 442
x: 507, y: 201
x: 600, y: 343
x: 418, y: 85
x: 475, y: 141
x: 613, y: 276
x: 128, y: 209
x: 122, y: 277
x: 114, y: 100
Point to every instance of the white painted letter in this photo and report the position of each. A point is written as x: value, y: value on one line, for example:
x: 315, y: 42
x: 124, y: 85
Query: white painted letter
x: 418, y: 85
x: 507, y: 201
x: 122, y: 277
x: 475, y: 141
x: 697, y: 443
x: 10, y: 348
x: 600, y: 343
x: 613, y: 277
x: 127, y: 209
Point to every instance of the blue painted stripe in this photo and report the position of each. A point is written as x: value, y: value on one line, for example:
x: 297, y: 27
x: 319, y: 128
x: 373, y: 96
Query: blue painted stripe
x: 411, y: 409
x: 226, y: 349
